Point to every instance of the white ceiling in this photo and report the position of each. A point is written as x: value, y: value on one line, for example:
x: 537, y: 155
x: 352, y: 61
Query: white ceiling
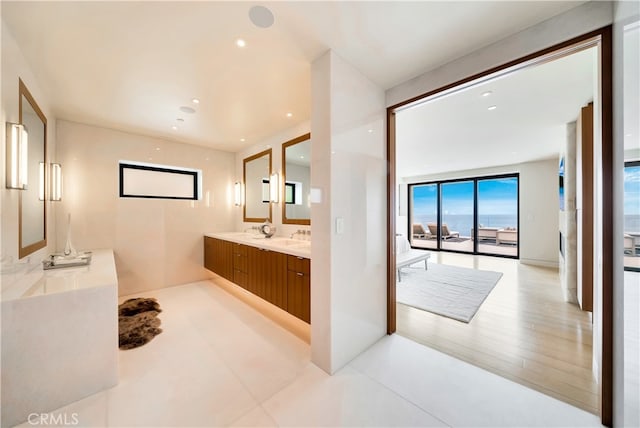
x: 533, y: 106
x: 131, y: 65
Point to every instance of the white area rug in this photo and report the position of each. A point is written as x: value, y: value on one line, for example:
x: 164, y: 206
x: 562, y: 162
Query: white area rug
x: 452, y: 291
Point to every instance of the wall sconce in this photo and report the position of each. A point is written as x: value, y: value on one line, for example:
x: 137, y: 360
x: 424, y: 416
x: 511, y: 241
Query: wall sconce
x: 17, y: 156
x: 237, y: 194
x: 41, y: 181
x: 56, y: 182
x: 274, y: 187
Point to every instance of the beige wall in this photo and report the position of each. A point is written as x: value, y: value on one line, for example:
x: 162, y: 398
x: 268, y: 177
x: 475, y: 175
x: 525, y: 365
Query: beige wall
x: 157, y: 242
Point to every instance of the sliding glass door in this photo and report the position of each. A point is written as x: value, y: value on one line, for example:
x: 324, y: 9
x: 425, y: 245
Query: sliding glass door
x: 498, y: 216
x: 456, y: 215
x: 477, y: 215
x: 632, y: 216
x: 423, y: 202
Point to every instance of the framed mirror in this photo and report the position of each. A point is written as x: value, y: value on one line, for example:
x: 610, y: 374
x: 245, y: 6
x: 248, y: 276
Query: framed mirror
x: 32, y: 210
x: 296, y: 172
x: 256, y: 173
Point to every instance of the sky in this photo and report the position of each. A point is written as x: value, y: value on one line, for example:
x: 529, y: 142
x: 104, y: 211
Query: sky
x: 495, y: 197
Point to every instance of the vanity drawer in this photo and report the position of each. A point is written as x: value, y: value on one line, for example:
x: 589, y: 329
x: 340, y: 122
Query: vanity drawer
x: 240, y: 249
x: 299, y: 264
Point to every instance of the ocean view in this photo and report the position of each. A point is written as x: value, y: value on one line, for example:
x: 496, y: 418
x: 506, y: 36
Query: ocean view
x: 463, y: 223
x: 632, y: 223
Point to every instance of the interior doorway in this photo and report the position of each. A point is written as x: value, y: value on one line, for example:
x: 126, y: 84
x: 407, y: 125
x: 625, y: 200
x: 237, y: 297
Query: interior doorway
x: 603, y: 248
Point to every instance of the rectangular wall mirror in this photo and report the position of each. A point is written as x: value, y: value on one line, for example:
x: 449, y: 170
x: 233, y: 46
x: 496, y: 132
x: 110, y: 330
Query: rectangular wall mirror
x: 296, y: 172
x: 32, y: 210
x: 256, y: 173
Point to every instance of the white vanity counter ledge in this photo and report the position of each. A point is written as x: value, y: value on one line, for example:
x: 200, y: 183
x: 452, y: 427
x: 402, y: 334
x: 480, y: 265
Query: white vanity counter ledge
x: 276, y: 243
x: 100, y: 272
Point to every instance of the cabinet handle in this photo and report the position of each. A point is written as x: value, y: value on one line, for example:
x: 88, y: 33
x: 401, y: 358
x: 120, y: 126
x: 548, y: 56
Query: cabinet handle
x: 299, y: 273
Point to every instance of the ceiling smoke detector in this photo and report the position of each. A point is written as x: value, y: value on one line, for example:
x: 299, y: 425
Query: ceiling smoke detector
x: 261, y: 16
x: 187, y: 109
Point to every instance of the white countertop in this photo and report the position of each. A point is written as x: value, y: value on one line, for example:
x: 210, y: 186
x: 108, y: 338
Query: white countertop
x: 101, y: 272
x: 282, y: 244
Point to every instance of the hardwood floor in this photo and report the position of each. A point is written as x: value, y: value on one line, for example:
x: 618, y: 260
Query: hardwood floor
x: 523, y: 331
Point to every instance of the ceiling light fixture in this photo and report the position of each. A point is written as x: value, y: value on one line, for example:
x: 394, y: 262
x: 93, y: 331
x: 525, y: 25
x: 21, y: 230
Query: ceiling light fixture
x: 289, y: 114
x: 487, y: 93
x: 187, y: 109
x: 261, y: 16
x: 195, y: 101
x: 241, y: 43
x: 242, y: 140
x: 175, y: 128
x: 492, y: 107
x: 179, y: 119
x: 370, y: 131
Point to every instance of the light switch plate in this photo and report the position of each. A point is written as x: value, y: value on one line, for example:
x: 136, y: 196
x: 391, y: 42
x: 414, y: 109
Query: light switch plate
x: 339, y: 225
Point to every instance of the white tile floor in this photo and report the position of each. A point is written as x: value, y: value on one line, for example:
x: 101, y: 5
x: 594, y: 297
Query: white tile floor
x: 220, y: 363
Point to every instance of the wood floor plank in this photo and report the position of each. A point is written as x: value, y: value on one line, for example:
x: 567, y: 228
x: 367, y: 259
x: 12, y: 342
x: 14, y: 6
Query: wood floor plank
x: 524, y: 331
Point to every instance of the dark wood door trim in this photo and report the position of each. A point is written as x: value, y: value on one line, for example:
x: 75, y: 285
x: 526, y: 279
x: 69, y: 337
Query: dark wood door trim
x: 604, y: 35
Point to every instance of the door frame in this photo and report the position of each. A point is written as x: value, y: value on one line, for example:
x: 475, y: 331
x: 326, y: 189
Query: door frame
x: 603, y: 38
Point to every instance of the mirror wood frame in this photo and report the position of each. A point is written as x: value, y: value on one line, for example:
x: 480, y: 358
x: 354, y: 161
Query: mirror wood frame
x: 244, y: 181
x: 24, y: 251
x: 290, y: 143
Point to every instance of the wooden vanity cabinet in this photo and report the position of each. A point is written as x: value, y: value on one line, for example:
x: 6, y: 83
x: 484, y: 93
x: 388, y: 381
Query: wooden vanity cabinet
x: 218, y: 257
x: 280, y: 279
x: 299, y: 287
x: 268, y: 276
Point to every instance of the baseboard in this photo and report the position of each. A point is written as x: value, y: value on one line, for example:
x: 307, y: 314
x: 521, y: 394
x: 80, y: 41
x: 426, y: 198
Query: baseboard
x: 543, y: 263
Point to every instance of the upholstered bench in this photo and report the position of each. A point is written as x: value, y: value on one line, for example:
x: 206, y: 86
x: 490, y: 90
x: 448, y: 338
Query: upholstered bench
x: 406, y: 256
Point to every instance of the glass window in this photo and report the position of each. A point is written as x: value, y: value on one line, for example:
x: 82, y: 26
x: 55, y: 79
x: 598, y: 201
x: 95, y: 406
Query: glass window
x: 632, y: 215
x: 423, y: 215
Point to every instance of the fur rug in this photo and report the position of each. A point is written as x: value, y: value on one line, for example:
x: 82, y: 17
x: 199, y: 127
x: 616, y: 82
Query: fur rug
x: 138, y: 322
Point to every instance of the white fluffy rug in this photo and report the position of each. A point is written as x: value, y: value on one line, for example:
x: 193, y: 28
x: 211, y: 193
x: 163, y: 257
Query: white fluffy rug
x: 452, y: 291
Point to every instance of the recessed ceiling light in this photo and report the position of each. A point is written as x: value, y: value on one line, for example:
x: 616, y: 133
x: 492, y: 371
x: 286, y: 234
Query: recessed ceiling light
x: 301, y: 157
x: 487, y: 93
x: 187, y: 109
x: 289, y: 114
x: 175, y: 128
x: 180, y: 119
x: 241, y: 43
x: 370, y: 131
x: 242, y: 140
x: 492, y: 107
x: 157, y: 149
x: 195, y: 101
x: 261, y: 16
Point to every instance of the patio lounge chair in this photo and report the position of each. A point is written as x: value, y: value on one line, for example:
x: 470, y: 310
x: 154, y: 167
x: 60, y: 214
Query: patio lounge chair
x: 446, y: 233
x: 419, y: 232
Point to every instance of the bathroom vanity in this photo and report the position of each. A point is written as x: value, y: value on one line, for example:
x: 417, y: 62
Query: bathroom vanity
x: 59, y: 337
x: 274, y: 269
